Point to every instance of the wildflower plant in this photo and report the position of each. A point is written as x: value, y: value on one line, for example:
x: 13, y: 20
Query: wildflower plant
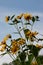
x: 23, y: 47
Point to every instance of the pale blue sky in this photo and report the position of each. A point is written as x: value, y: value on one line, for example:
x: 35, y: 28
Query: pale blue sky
x: 10, y: 7
x: 26, y: 5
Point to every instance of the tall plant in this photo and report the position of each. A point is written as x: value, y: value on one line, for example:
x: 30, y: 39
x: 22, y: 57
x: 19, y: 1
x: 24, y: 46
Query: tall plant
x: 23, y: 46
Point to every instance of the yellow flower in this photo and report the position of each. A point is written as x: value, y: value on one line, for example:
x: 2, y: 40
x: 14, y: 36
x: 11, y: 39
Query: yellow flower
x: 28, y: 33
x: 7, y: 18
x: 14, y: 46
x: 14, y: 49
x: 6, y: 37
x: 20, y: 16
x: 3, y: 42
x: 13, y: 42
x: 0, y: 43
x: 21, y: 41
x: 34, y: 63
x: 31, y: 35
x: 9, y: 36
x: 39, y: 46
x: 27, y: 16
x: 2, y: 47
x: 34, y: 33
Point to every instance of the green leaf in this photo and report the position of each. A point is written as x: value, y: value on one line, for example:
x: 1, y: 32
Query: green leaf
x: 33, y: 19
x: 8, y: 17
x: 26, y: 30
x: 22, y: 56
x: 40, y: 60
x: 25, y: 50
x: 27, y: 37
x: 15, y: 21
x: 30, y: 58
x: 12, y: 17
x: 18, y: 39
x: 27, y: 24
x: 11, y: 23
x: 3, y: 54
x: 27, y: 63
x: 40, y: 39
x: 34, y: 50
x: 37, y: 18
x: 16, y: 62
x: 5, y: 64
x: 15, y: 32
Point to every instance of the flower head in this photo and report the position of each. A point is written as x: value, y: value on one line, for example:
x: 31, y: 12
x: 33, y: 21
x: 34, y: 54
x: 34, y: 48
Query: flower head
x: 20, y: 16
x: 13, y: 42
x: 27, y: 16
x: 34, y: 33
x: 14, y: 48
x: 7, y: 37
x: 39, y: 46
x: 29, y: 34
x: 2, y: 47
x: 21, y: 41
x: 7, y: 18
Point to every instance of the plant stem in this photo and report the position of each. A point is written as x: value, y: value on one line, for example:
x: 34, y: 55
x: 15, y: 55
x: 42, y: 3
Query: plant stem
x: 32, y: 26
x: 11, y: 56
x: 18, y: 30
x: 23, y: 30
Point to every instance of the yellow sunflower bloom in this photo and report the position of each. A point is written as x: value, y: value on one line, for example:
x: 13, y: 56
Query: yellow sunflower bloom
x: 27, y: 16
x: 20, y: 16
x: 9, y: 36
x: 14, y: 46
x: 34, y: 33
x: 31, y: 35
x: 3, y: 42
x: 21, y: 41
x: 39, y: 46
x: 34, y: 63
x: 6, y: 37
x: 7, y: 18
x: 13, y: 42
x: 14, y: 49
x: 28, y: 33
x: 0, y: 42
x: 2, y: 47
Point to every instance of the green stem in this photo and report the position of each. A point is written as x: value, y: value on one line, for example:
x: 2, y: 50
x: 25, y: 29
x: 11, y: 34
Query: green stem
x: 32, y: 26
x: 11, y: 56
x: 18, y: 30
x: 23, y: 30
